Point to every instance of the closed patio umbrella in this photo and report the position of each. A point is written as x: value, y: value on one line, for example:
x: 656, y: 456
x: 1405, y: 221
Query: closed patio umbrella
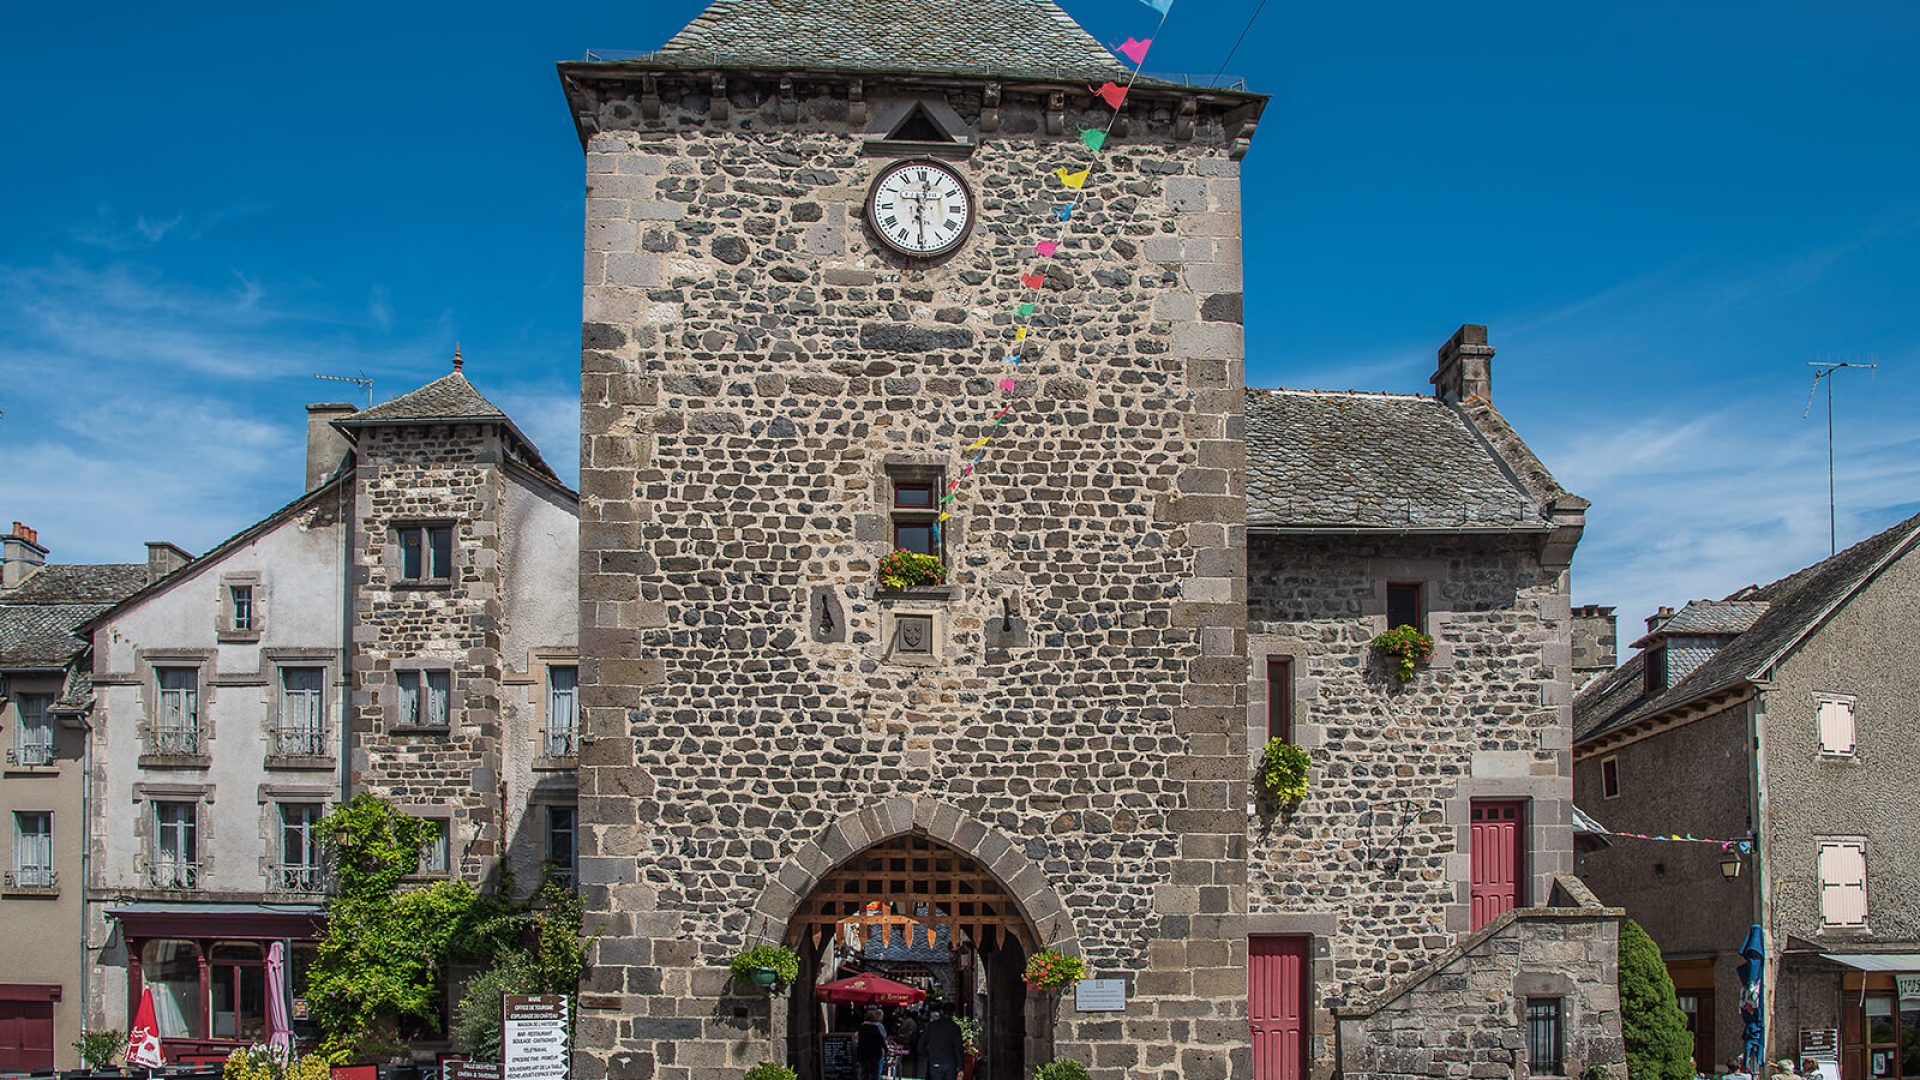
x: 1753, y: 970
x: 279, y: 1032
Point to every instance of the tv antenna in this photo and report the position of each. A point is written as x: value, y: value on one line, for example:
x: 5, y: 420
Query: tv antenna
x: 1825, y: 369
x: 360, y: 381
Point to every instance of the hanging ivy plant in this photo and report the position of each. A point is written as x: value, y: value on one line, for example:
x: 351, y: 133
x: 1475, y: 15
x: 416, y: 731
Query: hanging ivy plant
x: 1283, y: 772
x: 1404, y: 649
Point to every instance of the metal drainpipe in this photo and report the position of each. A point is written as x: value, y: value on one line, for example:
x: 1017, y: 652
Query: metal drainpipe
x: 1763, y: 886
x: 86, y: 835
x: 343, y: 499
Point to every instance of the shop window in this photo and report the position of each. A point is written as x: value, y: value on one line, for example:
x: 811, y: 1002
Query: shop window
x: 1544, y: 1037
x: 238, y: 984
x: 300, y: 960
x: 1280, y: 699
x: 1404, y: 607
x: 171, y: 969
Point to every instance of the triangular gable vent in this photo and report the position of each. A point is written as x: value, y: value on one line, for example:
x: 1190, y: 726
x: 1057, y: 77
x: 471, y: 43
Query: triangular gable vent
x: 918, y: 125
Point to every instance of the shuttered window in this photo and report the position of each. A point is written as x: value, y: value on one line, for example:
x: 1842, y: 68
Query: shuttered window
x: 1843, y: 883
x: 1836, y: 725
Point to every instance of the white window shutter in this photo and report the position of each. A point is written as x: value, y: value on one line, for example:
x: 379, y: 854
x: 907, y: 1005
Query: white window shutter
x: 1843, y: 884
x: 1836, y: 727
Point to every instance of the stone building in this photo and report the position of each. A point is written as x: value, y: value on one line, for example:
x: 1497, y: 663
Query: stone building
x: 405, y: 627
x: 1784, y: 712
x: 1051, y: 748
x: 43, y: 721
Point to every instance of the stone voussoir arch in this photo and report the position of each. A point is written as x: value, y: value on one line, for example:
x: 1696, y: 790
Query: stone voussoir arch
x: 906, y: 815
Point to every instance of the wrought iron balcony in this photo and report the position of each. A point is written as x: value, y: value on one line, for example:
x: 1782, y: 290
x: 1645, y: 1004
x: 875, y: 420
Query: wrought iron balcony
x: 33, y: 877
x: 30, y: 754
x: 173, y: 875
x: 300, y: 878
x: 300, y: 742
x: 172, y: 740
x: 560, y: 742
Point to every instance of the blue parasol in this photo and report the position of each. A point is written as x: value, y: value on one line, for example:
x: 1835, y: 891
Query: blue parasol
x: 1752, y: 974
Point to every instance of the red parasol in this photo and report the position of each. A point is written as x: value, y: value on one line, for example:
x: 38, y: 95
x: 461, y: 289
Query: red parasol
x: 868, y: 990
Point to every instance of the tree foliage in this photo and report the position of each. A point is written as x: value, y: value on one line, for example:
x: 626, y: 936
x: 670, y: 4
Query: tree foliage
x: 553, y: 964
x: 380, y: 962
x: 1659, y: 1047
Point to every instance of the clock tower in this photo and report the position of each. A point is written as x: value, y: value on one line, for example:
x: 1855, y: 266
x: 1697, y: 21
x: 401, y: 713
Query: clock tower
x: 819, y: 331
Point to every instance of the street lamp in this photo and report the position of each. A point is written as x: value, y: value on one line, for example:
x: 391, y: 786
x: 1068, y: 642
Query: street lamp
x: 1730, y: 867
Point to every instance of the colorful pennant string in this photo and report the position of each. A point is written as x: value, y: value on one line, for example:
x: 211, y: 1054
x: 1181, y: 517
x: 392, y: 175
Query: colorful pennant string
x: 1094, y: 139
x: 1742, y: 846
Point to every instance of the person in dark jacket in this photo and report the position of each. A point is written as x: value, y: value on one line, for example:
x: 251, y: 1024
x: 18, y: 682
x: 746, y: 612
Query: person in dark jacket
x: 942, y: 1047
x: 870, y: 1045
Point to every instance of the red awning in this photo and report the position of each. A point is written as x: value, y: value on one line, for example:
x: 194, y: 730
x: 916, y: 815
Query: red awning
x: 868, y: 990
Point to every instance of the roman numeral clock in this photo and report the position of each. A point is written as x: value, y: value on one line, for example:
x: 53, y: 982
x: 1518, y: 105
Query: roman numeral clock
x: 921, y: 209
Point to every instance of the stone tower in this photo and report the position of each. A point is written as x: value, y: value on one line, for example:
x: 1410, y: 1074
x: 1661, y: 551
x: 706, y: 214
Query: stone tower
x: 1044, y: 751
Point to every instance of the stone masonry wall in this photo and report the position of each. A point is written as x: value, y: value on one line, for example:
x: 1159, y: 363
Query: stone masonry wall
x: 1467, y: 1016
x: 1374, y: 862
x: 752, y: 364
x: 417, y: 474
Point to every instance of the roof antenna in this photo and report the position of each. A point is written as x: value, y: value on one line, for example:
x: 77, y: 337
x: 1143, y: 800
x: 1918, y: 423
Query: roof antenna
x: 456, y: 356
x: 362, y: 382
x: 1825, y: 370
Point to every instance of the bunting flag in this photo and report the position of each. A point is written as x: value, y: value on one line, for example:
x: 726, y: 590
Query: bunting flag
x: 1095, y: 140
x: 1743, y: 846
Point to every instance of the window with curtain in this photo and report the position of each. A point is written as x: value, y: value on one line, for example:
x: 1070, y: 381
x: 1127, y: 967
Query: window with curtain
x: 172, y: 970
x: 563, y: 711
x: 33, y: 849
x: 426, y: 698
x: 240, y: 606
x: 299, y: 864
x: 177, y: 723
x: 33, y: 736
x: 303, y: 712
x: 562, y: 829
x: 176, y: 845
x: 436, y: 857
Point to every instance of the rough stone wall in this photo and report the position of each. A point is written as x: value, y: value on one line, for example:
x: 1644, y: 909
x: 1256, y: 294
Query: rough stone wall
x: 1374, y: 861
x: 751, y: 365
x: 1466, y: 1018
x: 1596, y: 642
x: 414, y: 474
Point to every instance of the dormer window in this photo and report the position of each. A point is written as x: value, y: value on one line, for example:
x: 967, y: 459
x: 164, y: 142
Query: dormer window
x: 1653, y: 664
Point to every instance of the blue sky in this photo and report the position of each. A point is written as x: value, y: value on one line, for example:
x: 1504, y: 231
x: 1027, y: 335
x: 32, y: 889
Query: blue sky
x: 1663, y: 211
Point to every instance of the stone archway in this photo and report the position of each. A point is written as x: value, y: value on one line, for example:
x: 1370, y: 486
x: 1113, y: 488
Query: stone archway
x: 927, y: 860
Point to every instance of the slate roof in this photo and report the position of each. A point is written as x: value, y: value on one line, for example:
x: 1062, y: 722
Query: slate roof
x: 1710, y: 618
x: 1349, y: 460
x: 1795, y: 606
x: 449, y: 398
x: 38, y: 619
x: 1013, y: 38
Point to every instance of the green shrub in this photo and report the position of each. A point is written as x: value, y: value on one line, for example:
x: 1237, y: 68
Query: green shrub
x: 767, y: 1070
x: 476, y: 1020
x: 1283, y: 772
x: 1659, y: 1047
x: 97, y: 1048
x: 1063, y: 1069
x: 779, y: 959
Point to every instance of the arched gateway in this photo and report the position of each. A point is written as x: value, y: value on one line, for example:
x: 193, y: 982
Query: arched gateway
x: 915, y: 906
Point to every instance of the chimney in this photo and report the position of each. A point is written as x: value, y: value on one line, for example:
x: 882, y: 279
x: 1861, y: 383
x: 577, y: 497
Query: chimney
x: 22, y: 555
x: 1596, y: 643
x: 1466, y: 366
x: 164, y: 558
x: 326, y: 447
x: 1659, y: 619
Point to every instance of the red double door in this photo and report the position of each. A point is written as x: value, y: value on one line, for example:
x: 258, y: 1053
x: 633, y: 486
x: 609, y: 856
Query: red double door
x: 1278, y: 1005
x: 26, y: 1035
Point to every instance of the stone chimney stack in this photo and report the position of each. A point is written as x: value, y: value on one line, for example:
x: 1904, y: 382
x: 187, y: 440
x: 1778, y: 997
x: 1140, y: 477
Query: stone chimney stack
x: 1466, y: 366
x: 326, y: 447
x: 1659, y: 619
x: 1596, y: 643
x: 164, y: 558
x: 23, y: 556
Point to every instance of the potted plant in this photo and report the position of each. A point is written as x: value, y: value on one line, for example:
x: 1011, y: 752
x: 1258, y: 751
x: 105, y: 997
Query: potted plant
x: 768, y: 1070
x: 903, y: 569
x: 1051, y: 970
x: 97, y: 1049
x: 1061, y: 1069
x: 767, y: 966
x: 1284, y: 767
x: 969, y: 1044
x: 1404, y: 649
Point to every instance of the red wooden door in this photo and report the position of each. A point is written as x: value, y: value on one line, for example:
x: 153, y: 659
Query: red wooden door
x: 1499, y: 858
x: 26, y: 1035
x: 1277, y: 1005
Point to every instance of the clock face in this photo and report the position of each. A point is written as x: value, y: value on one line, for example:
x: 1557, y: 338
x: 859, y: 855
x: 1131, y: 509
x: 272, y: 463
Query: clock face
x: 920, y: 208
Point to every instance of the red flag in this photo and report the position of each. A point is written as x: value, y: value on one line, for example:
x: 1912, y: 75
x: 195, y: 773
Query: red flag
x: 143, y: 1043
x: 1111, y: 94
x: 1033, y: 281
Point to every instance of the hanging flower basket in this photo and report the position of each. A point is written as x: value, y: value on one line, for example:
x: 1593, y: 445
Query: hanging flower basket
x: 905, y: 569
x: 1404, y: 650
x: 1050, y: 969
x: 1283, y: 773
x: 767, y: 965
